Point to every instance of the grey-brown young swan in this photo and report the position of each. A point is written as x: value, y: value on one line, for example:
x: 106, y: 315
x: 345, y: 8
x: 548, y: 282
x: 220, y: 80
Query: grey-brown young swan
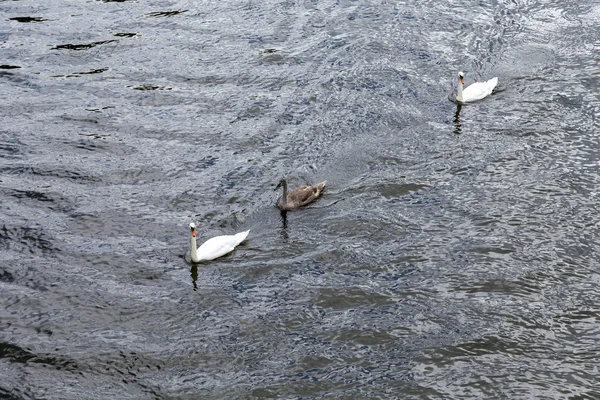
x: 299, y: 196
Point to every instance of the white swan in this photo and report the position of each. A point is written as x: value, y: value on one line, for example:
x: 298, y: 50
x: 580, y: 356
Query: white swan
x: 475, y: 91
x: 215, y: 247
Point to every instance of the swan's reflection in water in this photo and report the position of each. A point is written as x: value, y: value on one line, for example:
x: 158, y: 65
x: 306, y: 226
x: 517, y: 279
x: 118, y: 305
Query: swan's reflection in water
x: 194, y: 275
x: 456, y: 120
x: 284, y: 232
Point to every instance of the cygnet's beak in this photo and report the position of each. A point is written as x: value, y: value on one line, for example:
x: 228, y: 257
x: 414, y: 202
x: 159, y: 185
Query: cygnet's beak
x: 278, y: 186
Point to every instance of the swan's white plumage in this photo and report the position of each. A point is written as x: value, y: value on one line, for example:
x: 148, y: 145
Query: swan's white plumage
x: 475, y: 91
x: 214, y: 247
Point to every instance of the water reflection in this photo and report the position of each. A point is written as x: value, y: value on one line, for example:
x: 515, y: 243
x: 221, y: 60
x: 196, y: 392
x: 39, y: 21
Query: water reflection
x: 445, y: 254
x: 456, y: 120
x: 284, y: 232
x: 194, y: 275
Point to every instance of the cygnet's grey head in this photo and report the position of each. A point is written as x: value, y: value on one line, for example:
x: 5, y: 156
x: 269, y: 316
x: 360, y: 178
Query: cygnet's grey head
x: 281, y: 183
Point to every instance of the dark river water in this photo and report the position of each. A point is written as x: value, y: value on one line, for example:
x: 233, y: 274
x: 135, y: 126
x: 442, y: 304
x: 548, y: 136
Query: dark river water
x: 453, y: 255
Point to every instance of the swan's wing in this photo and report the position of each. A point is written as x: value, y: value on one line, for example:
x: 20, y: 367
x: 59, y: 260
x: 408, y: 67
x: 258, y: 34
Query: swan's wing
x: 240, y: 237
x: 492, y: 82
x: 217, y: 247
x: 303, y: 195
x: 479, y: 90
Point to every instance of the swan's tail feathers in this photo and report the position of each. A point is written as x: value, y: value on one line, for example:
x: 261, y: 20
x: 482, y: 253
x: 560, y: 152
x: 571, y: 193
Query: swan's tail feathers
x: 321, y: 186
x: 492, y: 83
x: 240, y: 237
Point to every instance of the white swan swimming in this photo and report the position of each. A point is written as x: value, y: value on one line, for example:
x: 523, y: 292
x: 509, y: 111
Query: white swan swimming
x: 475, y: 91
x: 215, y: 247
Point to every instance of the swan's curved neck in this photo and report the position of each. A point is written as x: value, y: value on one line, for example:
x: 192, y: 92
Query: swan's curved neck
x: 285, y: 192
x: 459, y: 96
x: 193, y: 254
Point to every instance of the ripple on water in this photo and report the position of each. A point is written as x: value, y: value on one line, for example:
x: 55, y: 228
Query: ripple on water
x: 452, y: 256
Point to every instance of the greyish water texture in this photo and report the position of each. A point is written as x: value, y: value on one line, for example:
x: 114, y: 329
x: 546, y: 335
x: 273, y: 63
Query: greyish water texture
x: 454, y: 254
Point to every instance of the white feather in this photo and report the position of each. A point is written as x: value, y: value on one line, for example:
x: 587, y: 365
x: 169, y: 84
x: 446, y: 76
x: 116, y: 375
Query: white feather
x: 475, y: 91
x: 215, y: 247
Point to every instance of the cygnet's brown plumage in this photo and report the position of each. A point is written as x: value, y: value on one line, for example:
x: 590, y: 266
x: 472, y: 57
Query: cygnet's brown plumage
x: 298, y: 197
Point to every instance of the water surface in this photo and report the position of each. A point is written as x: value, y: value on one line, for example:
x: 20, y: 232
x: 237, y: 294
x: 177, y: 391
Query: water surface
x: 454, y: 254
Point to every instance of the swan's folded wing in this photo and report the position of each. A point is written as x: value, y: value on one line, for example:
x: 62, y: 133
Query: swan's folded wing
x: 216, y: 247
x: 479, y: 90
x: 302, y: 195
x: 492, y: 83
x: 240, y: 237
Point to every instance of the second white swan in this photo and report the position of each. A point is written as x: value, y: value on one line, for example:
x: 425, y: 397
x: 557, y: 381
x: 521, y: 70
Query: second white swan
x: 215, y: 247
x: 475, y: 91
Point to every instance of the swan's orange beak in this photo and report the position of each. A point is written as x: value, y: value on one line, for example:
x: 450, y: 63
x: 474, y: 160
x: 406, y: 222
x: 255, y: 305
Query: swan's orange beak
x: 462, y: 80
x: 193, y: 233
